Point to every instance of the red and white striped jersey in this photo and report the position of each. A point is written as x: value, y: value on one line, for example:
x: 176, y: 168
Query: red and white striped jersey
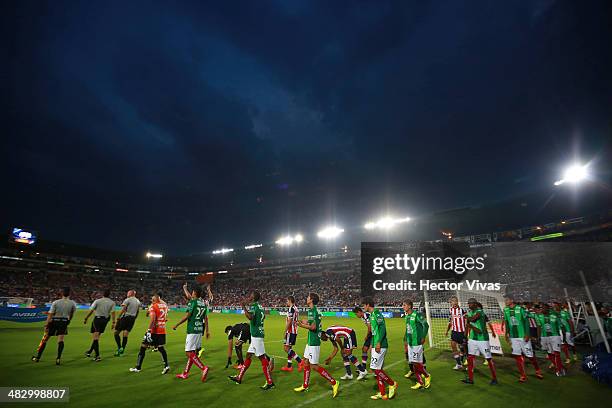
x: 457, y: 319
x: 339, y: 331
x: 293, y: 315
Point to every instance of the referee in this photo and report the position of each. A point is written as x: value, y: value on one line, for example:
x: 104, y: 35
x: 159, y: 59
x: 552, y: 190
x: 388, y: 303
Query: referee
x: 103, y: 308
x: 58, y: 318
x: 241, y: 332
x: 127, y: 316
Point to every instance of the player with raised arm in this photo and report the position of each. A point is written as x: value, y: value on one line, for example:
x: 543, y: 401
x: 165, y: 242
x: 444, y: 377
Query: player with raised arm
x: 456, y: 324
x: 156, y: 333
x: 196, y: 317
x: 125, y: 323
x: 291, y: 327
x: 379, y: 351
x: 550, y: 337
x: 478, y: 340
x: 414, y: 338
x: 237, y: 335
x: 256, y: 316
x: 516, y: 327
x: 367, y: 342
x: 208, y: 302
x: 344, y: 338
x: 104, y: 309
x: 568, y: 332
x: 58, y: 318
x: 312, y: 351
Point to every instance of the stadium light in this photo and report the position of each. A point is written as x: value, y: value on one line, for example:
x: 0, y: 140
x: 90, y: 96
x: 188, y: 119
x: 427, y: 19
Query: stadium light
x: 298, y: 238
x: 330, y: 232
x: 385, y: 223
x: 156, y: 256
x: 574, y: 174
x: 222, y: 251
x: 288, y: 240
x: 253, y: 246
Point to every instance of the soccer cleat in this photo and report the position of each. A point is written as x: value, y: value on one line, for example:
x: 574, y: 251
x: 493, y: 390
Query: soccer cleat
x: 35, y: 359
x: 166, y: 370
x: 493, y: 382
x: 182, y: 376
x: 522, y: 379
x: 134, y: 370
x: 379, y: 396
x: 58, y: 361
x: 301, y: 388
x: 408, y: 374
x: 335, y: 388
x: 121, y: 351
x: 234, y: 378
x: 427, y: 381
x: 416, y: 386
x: 204, y: 373
x: 567, y: 361
x: 465, y: 363
x: 392, y: 389
x: 347, y: 377
x: 118, y: 353
x: 288, y: 369
x: 486, y: 363
x: 267, y: 386
x: 575, y: 357
x: 300, y: 366
x: 458, y: 367
x: 467, y: 381
x: 551, y: 366
x: 362, y: 375
x: 200, y: 353
x: 97, y: 359
x: 88, y: 354
x: 539, y: 375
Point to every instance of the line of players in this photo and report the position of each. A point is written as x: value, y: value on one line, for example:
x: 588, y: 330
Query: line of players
x: 518, y: 324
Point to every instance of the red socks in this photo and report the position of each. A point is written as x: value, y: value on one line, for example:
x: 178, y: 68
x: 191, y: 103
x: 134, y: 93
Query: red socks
x: 196, y: 360
x: 520, y: 363
x: 492, y: 368
x: 471, y: 368
x: 326, y: 375
x: 534, y: 362
x: 380, y: 383
x: 306, y: 376
x: 419, y: 370
x: 264, y: 366
x: 245, y: 366
x: 557, y: 360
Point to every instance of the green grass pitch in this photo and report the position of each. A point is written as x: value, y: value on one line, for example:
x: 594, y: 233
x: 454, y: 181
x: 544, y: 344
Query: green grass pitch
x: 108, y: 383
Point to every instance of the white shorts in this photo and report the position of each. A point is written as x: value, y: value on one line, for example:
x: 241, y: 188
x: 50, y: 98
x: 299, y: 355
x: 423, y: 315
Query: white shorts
x: 377, y: 360
x: 415, y: 354
x: 257, y: 346
x: 478, y: 347
x: 312, y: 353
x: 193, y: 342
x: 569, y: 339
x: 551, y: 344
x: 520, y: 346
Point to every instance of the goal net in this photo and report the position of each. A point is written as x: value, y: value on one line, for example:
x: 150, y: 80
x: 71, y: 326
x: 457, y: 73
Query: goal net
x: 15, y: 302
x: 437, y: 311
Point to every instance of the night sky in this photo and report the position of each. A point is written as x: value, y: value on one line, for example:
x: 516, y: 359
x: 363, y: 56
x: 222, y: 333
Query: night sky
x: 185, y: 126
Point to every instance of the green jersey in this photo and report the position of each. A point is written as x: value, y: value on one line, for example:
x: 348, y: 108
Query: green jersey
x: 416, y: 328
x: 197, y: 313
x: 517, y: 321
x: 480, y: 323
x: 549, y: 324
x: 564, y: 315
x: 257, y: 322
x: 379, y: 329
x: 314, y: 336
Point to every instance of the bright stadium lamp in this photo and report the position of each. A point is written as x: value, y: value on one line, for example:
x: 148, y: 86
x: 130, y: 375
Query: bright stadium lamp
x: 152, y: 255
x: 222, y: 251
x: 574, y: 174
x: 298, y: 238
x: 287, y: 240
x: 330, y: 232
x: 253, y: 246
x: 385, y: 223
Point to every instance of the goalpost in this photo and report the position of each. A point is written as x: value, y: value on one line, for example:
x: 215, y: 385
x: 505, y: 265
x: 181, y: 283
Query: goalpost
x: 437, y: 312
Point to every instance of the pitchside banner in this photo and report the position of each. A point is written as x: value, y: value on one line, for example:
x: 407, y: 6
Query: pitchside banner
x: 528, y: 271
x: 22, y: 314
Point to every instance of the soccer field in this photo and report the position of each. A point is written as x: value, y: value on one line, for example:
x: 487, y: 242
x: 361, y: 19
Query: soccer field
x: 109, y: 383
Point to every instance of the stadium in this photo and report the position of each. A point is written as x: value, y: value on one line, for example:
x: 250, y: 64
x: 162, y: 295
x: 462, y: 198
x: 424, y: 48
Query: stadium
x: 289, y: 203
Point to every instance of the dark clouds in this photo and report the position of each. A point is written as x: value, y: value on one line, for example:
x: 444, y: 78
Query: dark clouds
x: 187, y: 126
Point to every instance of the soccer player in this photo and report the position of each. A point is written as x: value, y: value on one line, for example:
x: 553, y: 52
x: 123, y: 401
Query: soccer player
x: 293, y: 317
x: 242, y: 334
x: 156, y: 333
x: 345, y: 338
x: 197, y: 320
x: 380, y: 345
x: 103, y: 308
x: 516, y: 327
x: 256, y: 316
x: 59, y: 317
x: 127, y: 317
x: 456, y: 322
x: 313, y: 346
x: 414, y: 338
x: 367, y: 343
x: 550, y: 337
x: 533, y: 325
x: 478, y: 340
x: 568, y: 331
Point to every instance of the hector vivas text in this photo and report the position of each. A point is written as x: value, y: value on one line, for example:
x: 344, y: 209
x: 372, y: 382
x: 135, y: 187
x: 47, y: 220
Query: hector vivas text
x: 406, y: 264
